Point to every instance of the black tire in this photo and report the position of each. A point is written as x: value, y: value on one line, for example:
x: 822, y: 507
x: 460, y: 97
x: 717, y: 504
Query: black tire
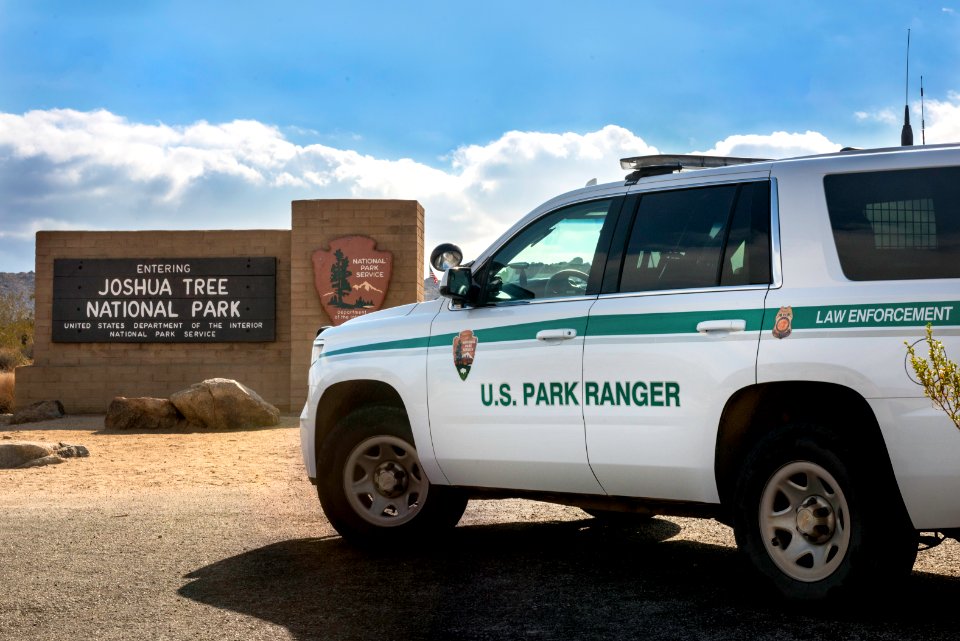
x: 388, y: 496
x: 818, y: 521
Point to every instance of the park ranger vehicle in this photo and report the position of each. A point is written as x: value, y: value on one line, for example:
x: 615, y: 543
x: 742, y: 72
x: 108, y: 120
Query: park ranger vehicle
x: 715, y: 337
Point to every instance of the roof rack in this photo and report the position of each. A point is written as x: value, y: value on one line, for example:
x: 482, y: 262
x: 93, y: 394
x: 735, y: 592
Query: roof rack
x: 644, y: 166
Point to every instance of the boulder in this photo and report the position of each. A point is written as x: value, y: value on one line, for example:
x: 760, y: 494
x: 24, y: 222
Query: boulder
x: 50, y: 459
x: 142, y: 414
x: 221, y: 403
x: 5, y: 419
x: 42, y: 411
x: 16, y: 453
x: 65, y: 450
x: 33, y: 454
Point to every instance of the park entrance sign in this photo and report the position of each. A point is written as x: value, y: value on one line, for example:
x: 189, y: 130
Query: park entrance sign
x: 149, y: 312
x: 181, y: 300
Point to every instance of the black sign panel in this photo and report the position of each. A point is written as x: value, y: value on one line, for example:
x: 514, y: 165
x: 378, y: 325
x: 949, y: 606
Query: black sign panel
x: 164, y: 300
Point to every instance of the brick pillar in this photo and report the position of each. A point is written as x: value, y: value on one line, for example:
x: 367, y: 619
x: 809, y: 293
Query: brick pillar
x: 396, y: 226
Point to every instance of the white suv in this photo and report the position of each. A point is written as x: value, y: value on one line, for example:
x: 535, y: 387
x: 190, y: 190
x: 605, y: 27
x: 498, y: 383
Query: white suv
x: 724, y: 342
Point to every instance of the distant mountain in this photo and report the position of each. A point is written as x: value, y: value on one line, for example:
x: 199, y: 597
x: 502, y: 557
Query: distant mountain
x: 20, y: 284
x: 363, y: 287
x: 430, y: 289
x: 366, y: 287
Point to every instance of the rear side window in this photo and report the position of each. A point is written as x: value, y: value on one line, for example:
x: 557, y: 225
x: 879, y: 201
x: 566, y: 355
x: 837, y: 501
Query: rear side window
x: 702, y: 237
x: 891, y: 225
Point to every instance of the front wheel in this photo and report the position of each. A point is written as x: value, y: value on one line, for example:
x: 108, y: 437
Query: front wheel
x: 372, y: 486
x: 814, y: 522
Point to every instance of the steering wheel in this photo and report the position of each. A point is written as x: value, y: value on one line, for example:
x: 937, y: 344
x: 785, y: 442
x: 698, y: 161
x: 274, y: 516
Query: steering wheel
x: 563, y: 283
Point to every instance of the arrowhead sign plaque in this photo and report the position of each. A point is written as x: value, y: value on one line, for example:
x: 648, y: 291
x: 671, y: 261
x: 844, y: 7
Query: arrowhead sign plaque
x: 352, y: 277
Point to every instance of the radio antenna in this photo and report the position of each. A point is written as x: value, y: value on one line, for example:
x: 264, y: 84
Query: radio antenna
x: 923, y: 121
x: 906, y: 134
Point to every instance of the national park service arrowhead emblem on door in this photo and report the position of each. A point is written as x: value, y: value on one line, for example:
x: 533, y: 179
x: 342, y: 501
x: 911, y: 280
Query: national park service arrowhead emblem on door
x: 464, y: 351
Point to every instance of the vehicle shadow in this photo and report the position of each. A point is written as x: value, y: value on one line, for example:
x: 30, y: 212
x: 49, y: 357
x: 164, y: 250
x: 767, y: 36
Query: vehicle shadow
x: 554, y: 580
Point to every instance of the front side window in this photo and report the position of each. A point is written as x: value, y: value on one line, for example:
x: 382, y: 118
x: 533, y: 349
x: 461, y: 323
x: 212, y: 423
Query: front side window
x: 552, y: 258
x: 701, y: 237
x: 892, y: 225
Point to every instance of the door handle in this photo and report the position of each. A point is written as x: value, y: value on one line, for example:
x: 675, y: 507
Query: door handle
x: 721, y: 326
x: 556, y: 335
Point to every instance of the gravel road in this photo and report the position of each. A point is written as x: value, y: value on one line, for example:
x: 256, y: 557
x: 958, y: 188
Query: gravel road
x: 220, y: 536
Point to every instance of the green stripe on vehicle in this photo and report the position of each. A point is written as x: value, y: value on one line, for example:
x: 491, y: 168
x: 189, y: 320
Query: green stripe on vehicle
x: 873, y: 315
x: 667, y: 323
x: 406, y: 343
x: 519, y: 332
x: 815, y: 317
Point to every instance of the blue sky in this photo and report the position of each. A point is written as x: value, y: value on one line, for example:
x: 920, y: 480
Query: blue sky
x: 216, y: 115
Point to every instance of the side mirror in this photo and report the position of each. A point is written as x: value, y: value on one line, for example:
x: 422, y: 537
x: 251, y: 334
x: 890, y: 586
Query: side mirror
x: 457, y: 285
x: 446, y: 256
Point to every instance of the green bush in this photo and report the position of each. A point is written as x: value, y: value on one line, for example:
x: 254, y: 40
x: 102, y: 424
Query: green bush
x: 938, y: 375
x: 16, y: 331
x: 10, y: 359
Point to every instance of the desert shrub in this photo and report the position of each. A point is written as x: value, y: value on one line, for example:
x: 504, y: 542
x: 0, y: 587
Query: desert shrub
x: 6, y: 392
x: 10, y: 359
x: 939, y: 376
x: 16, y: 330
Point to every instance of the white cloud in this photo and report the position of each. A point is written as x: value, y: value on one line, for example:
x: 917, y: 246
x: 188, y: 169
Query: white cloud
x: 27, y: 229
x: 779, y: 144
x: 100, y: 166
x: 66, y: 169
x: 76, y: 142
x: 885, y: 116
x: 942, y: 118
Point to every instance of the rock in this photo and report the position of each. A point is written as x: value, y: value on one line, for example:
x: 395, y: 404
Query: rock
x: 5, y: 419
x: 221, y: 403
x: 42, y: 411
x: 65, y: 450
x: 142, y: 414
x: 32, y: 454
x: 16, y: 453
x: 51, y: 459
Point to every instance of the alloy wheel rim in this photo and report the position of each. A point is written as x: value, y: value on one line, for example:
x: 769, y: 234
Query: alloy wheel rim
x: 384, y: 481
x: 804, y: 521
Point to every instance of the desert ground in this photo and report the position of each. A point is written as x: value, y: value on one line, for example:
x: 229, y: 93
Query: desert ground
x: 219, y: 535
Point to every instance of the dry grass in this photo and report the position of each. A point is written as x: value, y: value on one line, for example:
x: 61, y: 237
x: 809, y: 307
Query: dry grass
x: 10, y: 358
x: 6, y: 392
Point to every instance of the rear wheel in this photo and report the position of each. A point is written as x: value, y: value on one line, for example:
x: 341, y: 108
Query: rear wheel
x: 814, y: 522
x: 372, y: 486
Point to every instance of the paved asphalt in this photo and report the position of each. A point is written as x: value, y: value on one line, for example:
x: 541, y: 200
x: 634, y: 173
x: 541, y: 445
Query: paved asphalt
x: 258, y: 561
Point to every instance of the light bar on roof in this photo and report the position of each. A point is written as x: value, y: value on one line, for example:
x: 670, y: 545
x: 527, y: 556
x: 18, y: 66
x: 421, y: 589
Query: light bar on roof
x: 684, y: 161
